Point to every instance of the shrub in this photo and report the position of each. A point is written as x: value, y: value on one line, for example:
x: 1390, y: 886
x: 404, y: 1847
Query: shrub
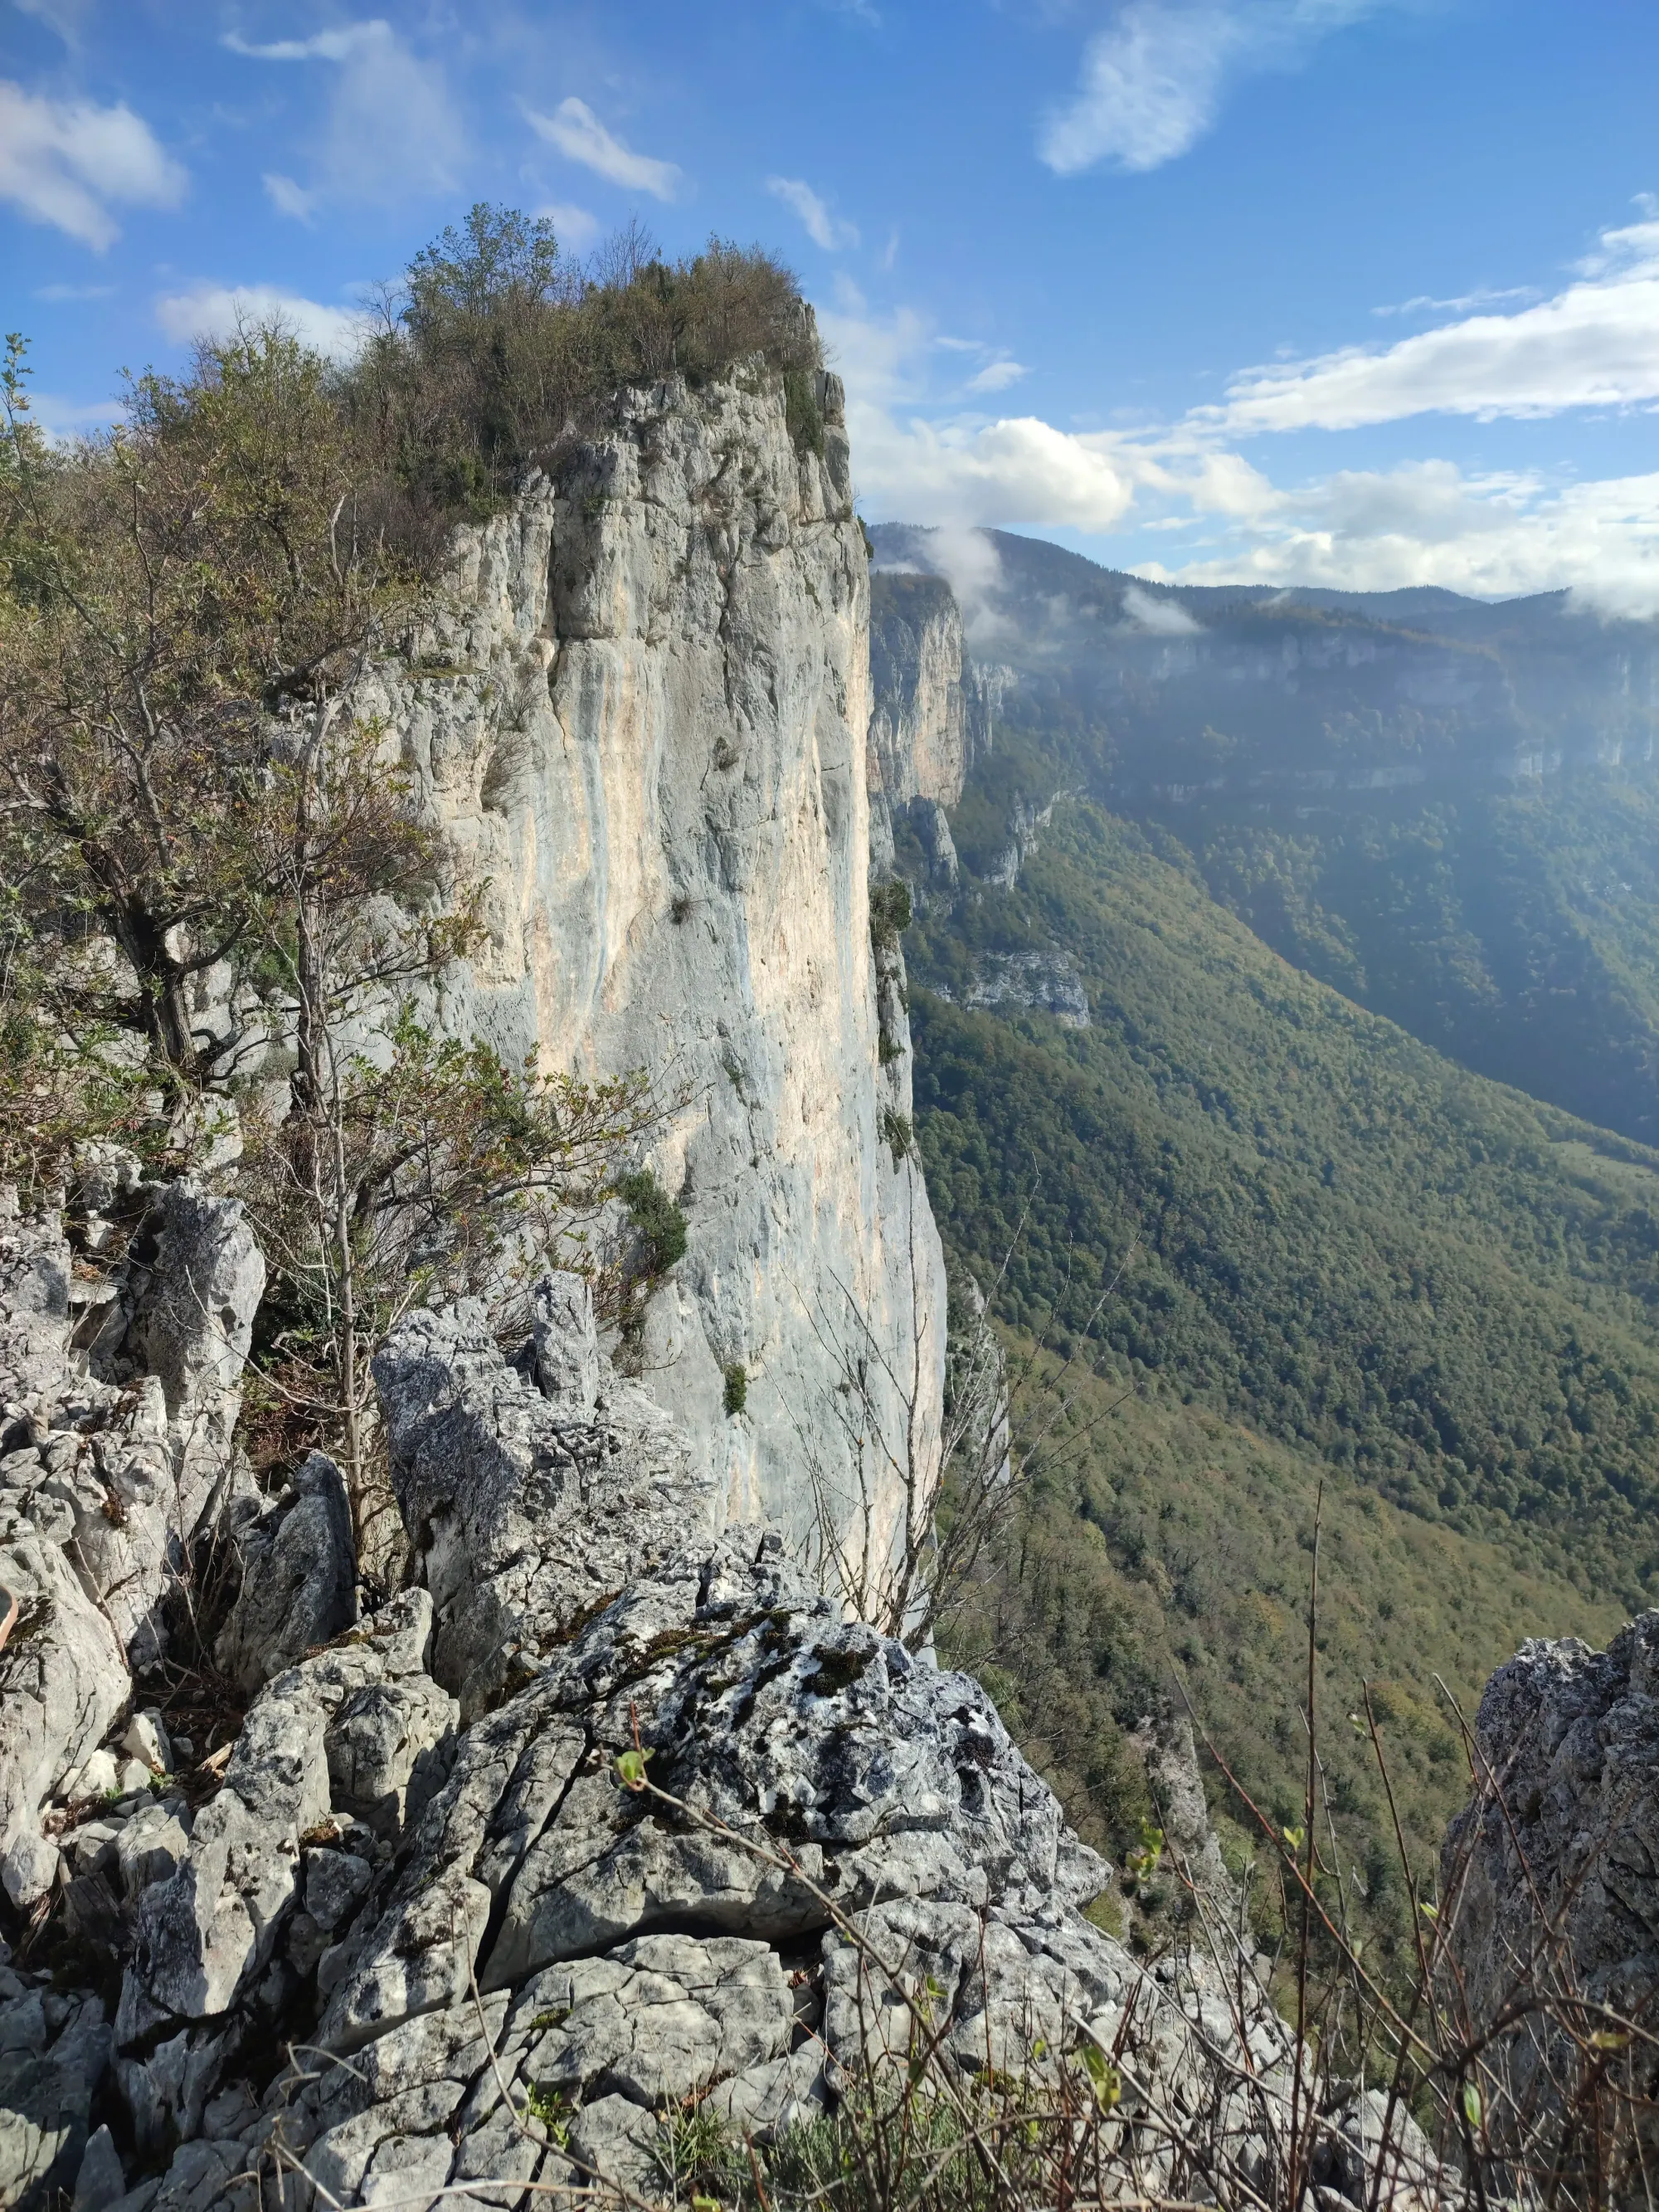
x: 659, y: 1222
x: 737, y: 1388
x: 505, y: 349
x: 889, y: 914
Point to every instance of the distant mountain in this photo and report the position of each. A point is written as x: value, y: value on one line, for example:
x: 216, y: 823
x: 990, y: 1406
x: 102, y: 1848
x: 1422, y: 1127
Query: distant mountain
x: 1447, y: 809
x: 1240, y: 689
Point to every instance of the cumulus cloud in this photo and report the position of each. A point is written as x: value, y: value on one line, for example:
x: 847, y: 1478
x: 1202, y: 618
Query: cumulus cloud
x: 1427, y: 522
x: 580, y: 136
x: 63, y: 162
x: 391, y: 131
x: 1594, y: 344
x: 958, y: 470
x: 1153, y: 82
x: 218, y: 311
x: 824, y: 228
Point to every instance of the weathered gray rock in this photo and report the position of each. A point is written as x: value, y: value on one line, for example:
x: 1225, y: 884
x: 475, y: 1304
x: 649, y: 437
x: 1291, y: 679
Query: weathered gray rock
x: 47, y: 2082
x: 299, y: 1588
x: 1550, y: 1874
x: 652, y: 756
x: 918, y: 733
x: 211, y: 1955
x: 524, y: 1511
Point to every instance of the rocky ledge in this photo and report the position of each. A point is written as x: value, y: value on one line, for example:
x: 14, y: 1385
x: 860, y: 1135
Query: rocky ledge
x: 608, y: 1816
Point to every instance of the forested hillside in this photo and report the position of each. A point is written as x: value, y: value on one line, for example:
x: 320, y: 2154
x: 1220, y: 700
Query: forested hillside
x: 1344, y: 1257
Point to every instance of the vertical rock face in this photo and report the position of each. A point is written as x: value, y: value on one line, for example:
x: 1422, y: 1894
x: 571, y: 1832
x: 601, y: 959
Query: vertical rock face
x: 918, y: 727
x: 643, y: 724
x: 1550, y: 1884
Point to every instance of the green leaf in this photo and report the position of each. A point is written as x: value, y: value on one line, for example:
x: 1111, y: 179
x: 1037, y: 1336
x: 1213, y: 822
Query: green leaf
x: 1472, y: 2104
x: 630, y: 1768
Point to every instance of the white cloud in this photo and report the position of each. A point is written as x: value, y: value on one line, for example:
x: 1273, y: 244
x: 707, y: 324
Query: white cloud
x: 1484, y: 297
x: 1427, y: 523
x: 58, y: 293
x: 998, y: 375
x: 391, y: 131
x: 326, y: 46
x: 580, y: 136
x: 573, y: 227
x: 961, y: 470
x: 1153, y: 82
x: 1159, y: 618
x: 62, y: 161
x: 217, y: 310
x: 288, y: 197
x: 1594, y: 344
x: 824, y: 228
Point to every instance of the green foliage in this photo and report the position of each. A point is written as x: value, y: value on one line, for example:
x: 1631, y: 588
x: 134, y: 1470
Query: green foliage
x: 660, y: 1224
x: 1515, y: 931
x: 737, y: 1388
x: 889, y: 913
x: 505, y: 349
x: 898, y: 1133
x: 802, y: 412
x: 1347, y: 1259
x: 1437, y: 1285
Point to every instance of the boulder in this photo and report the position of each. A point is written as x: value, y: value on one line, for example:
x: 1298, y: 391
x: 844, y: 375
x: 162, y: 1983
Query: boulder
x: 299, y: 1587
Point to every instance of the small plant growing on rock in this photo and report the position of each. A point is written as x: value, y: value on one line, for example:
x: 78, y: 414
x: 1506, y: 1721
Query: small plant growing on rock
x: 737, y: 1388
x: 891, y: 915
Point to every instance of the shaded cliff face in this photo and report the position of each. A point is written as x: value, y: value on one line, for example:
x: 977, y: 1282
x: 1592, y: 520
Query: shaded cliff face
x: 643, y: 724
x: 918, y: 747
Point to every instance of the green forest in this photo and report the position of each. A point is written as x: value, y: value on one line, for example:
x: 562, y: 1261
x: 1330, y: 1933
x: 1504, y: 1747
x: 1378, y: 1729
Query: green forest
x: 1344, y: 1260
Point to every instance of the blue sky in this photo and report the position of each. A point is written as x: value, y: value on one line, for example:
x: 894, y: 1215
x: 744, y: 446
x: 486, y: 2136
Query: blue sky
x: 1357, y: 292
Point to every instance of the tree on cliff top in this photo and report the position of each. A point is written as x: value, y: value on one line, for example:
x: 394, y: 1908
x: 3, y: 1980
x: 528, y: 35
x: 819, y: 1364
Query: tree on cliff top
x: 502, y: 347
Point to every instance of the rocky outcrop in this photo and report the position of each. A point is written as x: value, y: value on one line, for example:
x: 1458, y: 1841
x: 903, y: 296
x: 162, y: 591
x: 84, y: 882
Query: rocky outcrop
x: 504, y: 1973
x: 1550, y: 1888
x: 531, y: 1498
x: 299, y: 1577
x: 918, y: 724
x: 642, y: 724
x: 104, y: 1482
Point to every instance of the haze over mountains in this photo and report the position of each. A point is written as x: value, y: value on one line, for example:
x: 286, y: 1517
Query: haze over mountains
x: 1241, y: 902
x: 1444, y: 808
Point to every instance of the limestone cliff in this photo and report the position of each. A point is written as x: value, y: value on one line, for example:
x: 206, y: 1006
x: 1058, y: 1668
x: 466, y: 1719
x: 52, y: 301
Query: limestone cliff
x: 643, y: 723
x: 918, y: 733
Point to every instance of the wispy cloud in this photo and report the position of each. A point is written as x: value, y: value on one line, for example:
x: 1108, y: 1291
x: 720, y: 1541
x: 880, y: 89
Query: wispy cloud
x: 390, y: 132
x: 63, y: 162
x: 1594, y: 344
x: 1153, y: 82
x: 580, y: 136
x: 61, y: 294
x: 288, y: 197
x: 823, y: 228
x: 1483, y: 297
x: 574, y: 228
x: 997, y: 376
x: 66, y: 17
x: 326, y: 46
x: 218, y: 311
